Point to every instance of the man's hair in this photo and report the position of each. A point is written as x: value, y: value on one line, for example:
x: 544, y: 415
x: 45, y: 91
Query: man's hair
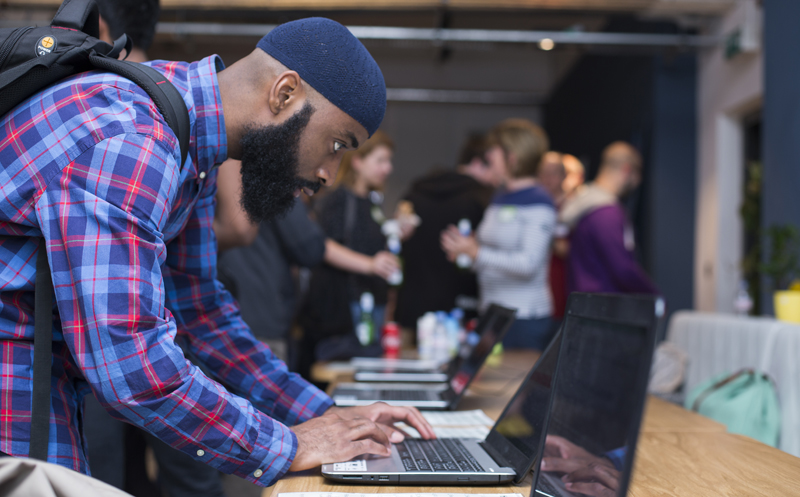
x: 135, y: 18
x: 527, y: 141
x: 620, y: 153
x: 474, y: 148
x: 347, y: 175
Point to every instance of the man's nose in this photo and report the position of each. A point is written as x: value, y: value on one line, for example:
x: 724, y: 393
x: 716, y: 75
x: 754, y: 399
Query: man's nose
x: 327, y: 173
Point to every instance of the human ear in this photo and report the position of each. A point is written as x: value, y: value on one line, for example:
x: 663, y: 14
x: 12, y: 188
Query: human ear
x: 285, y: 91
x: 511, y: 163
x: 105, y: 33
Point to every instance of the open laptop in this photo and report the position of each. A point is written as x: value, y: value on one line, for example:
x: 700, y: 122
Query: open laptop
x: 596, y: 368
x: 600, y: 390
x: 410, y: 372
x: 430, y: 396
x: 504, y: 455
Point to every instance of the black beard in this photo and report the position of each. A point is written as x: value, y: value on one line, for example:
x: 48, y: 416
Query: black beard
x: 270, y: 167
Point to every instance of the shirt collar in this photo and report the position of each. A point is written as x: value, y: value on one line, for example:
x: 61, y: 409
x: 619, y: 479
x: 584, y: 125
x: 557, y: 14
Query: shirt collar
x: 211, y: 140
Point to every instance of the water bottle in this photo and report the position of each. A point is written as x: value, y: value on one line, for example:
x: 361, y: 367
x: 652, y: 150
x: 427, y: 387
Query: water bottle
x: 391, y: 230
x: 441, y: 349
x: 743, y: 302
x: 464, y: 261
x: 451, y: 326
x: 365, y: 330
x: 426, y: 326
x: 393, y: 244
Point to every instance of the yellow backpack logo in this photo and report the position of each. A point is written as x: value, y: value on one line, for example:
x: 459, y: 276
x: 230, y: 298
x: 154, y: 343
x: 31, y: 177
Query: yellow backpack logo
x: 45, y: 45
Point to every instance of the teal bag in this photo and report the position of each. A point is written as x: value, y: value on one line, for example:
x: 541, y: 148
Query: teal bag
x: 745, y: 402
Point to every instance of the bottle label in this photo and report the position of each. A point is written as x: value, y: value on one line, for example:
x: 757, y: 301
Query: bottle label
x: 364, y: 333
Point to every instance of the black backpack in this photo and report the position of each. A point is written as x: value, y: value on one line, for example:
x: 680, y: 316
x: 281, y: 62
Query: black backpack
x: 31, y: 59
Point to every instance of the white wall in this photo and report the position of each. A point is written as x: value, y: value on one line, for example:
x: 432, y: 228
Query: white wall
x: 728, y: 90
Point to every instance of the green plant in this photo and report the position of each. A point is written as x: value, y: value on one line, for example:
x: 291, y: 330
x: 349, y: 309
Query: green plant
x: 783, y: 265
x: 750, y: 211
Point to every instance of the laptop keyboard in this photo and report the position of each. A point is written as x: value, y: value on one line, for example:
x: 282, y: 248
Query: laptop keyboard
x: 544, y: 486
x: 445, y: 454
x: 405, y: 394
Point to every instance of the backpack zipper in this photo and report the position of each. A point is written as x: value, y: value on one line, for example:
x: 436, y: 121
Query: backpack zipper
x: 10, y: 43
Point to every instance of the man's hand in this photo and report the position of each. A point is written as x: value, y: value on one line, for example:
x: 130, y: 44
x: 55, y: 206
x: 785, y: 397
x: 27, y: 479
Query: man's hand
x: 454, y: 243
x: 384, y: 264
x: 597, y: 480
x: 386, y: 416
x: 331, y: 438
x: 584, y: 472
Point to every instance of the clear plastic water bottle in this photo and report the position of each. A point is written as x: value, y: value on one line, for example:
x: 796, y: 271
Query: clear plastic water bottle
x: 391, y: 230
x: 440, y: 345
x: 426, y: 326
x: 365, y: 330
x: 743, y: 303
x: 394, y: 246
x: 464, y: 261
x: 451, y: 325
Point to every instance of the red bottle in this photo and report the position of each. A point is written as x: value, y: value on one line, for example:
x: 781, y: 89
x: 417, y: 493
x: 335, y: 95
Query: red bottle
x: 391, y: 341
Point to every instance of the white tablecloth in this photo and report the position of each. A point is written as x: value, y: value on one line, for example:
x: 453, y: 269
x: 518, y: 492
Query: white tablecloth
x: 718, y: 343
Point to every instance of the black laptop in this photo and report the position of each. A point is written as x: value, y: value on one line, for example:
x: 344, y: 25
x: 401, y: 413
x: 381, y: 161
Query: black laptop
x: 432, y: 396
x: 599, y: 395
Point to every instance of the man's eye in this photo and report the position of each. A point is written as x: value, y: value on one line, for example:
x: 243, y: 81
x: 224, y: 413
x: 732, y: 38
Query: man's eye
x: 337, y: 146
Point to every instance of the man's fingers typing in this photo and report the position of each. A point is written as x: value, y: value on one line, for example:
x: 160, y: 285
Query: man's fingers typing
x: 367, y: 446
x: 361, y: 428
x: 559, y: 465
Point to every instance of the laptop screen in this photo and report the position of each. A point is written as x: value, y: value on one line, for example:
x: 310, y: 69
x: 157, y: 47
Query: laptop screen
x: 597, y: 403
x: 517, y: 435
x: 497, y: 321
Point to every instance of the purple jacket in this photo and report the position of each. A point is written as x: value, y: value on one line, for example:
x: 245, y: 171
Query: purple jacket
x: 599, y: 260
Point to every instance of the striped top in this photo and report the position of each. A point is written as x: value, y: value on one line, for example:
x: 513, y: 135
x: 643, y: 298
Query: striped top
x: 512, y: 262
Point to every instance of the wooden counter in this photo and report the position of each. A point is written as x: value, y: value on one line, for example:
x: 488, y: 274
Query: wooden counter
x: 679, y: 453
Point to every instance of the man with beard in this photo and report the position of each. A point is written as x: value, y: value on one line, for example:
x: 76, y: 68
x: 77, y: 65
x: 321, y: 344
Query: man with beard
x: 90, y: 166
x: 601, y: 255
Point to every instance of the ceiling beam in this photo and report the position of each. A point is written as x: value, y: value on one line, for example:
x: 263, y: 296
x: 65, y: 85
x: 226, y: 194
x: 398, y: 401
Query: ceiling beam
x: 457, y: 35
x: 703, y: 7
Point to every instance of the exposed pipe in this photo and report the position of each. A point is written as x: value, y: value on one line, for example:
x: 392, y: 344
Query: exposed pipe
x: 462, y: 96
x: 458, y: 35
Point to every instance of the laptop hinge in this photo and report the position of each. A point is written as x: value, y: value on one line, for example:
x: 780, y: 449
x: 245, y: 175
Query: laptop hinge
x: 494, y: 454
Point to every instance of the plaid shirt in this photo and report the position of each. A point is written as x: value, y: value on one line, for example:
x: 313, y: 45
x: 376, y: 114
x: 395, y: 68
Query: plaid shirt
x: 92, y: 166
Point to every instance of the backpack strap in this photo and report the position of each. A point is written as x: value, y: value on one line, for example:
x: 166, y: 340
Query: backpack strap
x: 42, y: 356
x: 160, y: 89
x: 81, y: 15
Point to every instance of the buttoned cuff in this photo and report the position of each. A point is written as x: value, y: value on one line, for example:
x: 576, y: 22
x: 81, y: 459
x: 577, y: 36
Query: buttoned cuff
x: 272, y: 454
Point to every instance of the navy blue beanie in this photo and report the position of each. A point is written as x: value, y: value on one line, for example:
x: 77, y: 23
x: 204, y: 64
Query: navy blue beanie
x: 327, y: 56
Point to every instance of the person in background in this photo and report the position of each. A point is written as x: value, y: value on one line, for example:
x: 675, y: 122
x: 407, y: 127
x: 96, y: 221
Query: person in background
x: 440, y: 199
x: 135, y: 18
x: 576, y: 175
x: 551, y: 176
x: 351, y: 216
x: 601, y: 254
x: 511, y: 250
x: 262, y: 271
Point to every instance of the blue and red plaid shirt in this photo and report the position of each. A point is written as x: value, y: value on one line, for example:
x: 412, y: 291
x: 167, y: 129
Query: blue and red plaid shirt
x: 90, y: 165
